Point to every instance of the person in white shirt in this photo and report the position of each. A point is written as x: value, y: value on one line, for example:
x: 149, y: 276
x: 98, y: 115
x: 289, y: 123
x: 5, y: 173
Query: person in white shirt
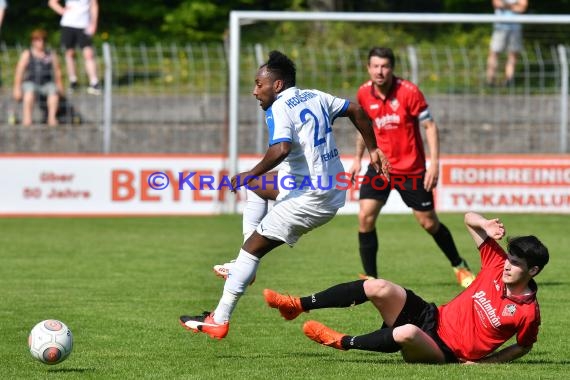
x: 78, y: 26
x: 307, y: 188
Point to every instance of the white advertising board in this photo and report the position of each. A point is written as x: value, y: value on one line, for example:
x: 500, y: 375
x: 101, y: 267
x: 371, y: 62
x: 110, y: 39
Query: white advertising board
x: 91, y: 185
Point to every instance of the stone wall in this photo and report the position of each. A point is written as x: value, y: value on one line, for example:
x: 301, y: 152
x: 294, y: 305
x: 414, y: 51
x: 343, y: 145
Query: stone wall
x: 194, y: 124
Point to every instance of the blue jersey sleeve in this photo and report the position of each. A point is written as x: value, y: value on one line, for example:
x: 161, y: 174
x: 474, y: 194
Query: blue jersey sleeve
x: 278, y: 132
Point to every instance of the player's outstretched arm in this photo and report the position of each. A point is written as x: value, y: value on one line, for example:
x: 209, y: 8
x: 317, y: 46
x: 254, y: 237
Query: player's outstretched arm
x: 481, y: 228
x: 505, y: 355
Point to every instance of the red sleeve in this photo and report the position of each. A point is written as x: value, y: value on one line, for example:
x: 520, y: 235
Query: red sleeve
x: 492, y: 254
x: 359, y: 97
x: 528, y: 333
x: 416, y: 101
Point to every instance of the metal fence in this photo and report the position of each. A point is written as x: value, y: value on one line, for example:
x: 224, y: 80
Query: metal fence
x: 170, y: 98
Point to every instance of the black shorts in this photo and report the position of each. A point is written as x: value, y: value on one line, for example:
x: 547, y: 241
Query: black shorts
x: 420, y: 313
x: 72, y: 37
x: 410, y: 187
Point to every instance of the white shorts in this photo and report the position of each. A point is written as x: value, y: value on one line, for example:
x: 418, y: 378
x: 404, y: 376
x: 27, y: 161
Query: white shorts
x: 299, y: 212
x: 511, y: 40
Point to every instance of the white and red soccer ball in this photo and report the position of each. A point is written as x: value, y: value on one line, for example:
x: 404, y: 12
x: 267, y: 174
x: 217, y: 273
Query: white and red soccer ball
x: 50, y: 341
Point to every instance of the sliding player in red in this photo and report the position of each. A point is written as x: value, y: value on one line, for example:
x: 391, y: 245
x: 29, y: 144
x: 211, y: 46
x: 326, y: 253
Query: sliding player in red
x: 499, y: 304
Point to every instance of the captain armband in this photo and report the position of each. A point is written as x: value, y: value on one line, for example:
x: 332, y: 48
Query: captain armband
x: 425, y: 115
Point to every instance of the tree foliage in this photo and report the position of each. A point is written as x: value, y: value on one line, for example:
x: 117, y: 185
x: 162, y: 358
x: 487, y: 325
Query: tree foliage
x: 149, y: 21
x: 140, y: 21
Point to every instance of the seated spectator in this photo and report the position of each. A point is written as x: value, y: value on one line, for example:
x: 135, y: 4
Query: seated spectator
x: 38, y: 73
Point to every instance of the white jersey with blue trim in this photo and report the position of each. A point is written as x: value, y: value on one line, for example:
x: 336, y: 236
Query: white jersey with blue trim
x: 304, y: 118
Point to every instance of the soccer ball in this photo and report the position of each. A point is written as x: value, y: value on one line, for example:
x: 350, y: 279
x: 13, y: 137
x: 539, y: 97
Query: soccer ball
x: 50, y: 341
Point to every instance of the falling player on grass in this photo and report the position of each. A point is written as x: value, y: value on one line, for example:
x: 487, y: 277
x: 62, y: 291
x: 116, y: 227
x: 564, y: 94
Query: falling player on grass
x: 499, y: 304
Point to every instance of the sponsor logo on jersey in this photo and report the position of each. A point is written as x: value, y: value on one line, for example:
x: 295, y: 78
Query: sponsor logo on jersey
x: 509, y: 310
x: 388, y: 121
x: 394, y: 104
x: 486, y: 311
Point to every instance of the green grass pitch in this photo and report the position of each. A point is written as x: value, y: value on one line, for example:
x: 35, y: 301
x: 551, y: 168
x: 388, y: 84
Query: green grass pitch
x: 121, y: 283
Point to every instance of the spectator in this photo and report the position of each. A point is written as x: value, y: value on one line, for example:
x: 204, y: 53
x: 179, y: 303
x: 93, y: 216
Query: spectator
x: 38, y: 72
x: 506, y: 36
x: 78, y: 26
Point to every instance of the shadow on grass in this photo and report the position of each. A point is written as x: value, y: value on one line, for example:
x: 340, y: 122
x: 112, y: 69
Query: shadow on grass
x: 546, y: 361
x: 368, y: 358
x: 364, y: 358
x: 72, y: 370
x: 545, y: 357
x: 550, y: 283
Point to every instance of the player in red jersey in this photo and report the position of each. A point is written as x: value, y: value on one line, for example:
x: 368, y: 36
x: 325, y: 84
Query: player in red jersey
x: 397, y: 108
x: 499, y: 304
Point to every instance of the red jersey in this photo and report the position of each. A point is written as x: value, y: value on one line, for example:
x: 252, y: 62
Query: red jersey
x: 396, y: 124
x: 483, y: 317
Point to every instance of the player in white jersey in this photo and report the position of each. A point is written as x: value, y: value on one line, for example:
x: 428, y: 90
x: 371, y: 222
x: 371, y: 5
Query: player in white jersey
x: 78, y: 26
x: 301, y: 141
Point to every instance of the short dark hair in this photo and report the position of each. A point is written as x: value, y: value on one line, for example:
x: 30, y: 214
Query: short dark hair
x: 382, y: 52
x: 530, y: 249
x: 281, y: 67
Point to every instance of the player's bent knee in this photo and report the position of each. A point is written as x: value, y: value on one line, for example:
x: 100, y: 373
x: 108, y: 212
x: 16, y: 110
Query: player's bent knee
x: 431, y: 228
x: 377, y: 288
x: 367, y: 221
x: 406, y: 334
x: 430, y: 224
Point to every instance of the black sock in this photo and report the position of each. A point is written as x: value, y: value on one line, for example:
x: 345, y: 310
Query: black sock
x: 368, y: 244
x: 445, y: 242
x: 380, y: 340
x: 341, y: 295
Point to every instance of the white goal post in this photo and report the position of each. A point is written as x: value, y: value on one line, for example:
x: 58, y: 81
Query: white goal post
x: 239, y: 18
